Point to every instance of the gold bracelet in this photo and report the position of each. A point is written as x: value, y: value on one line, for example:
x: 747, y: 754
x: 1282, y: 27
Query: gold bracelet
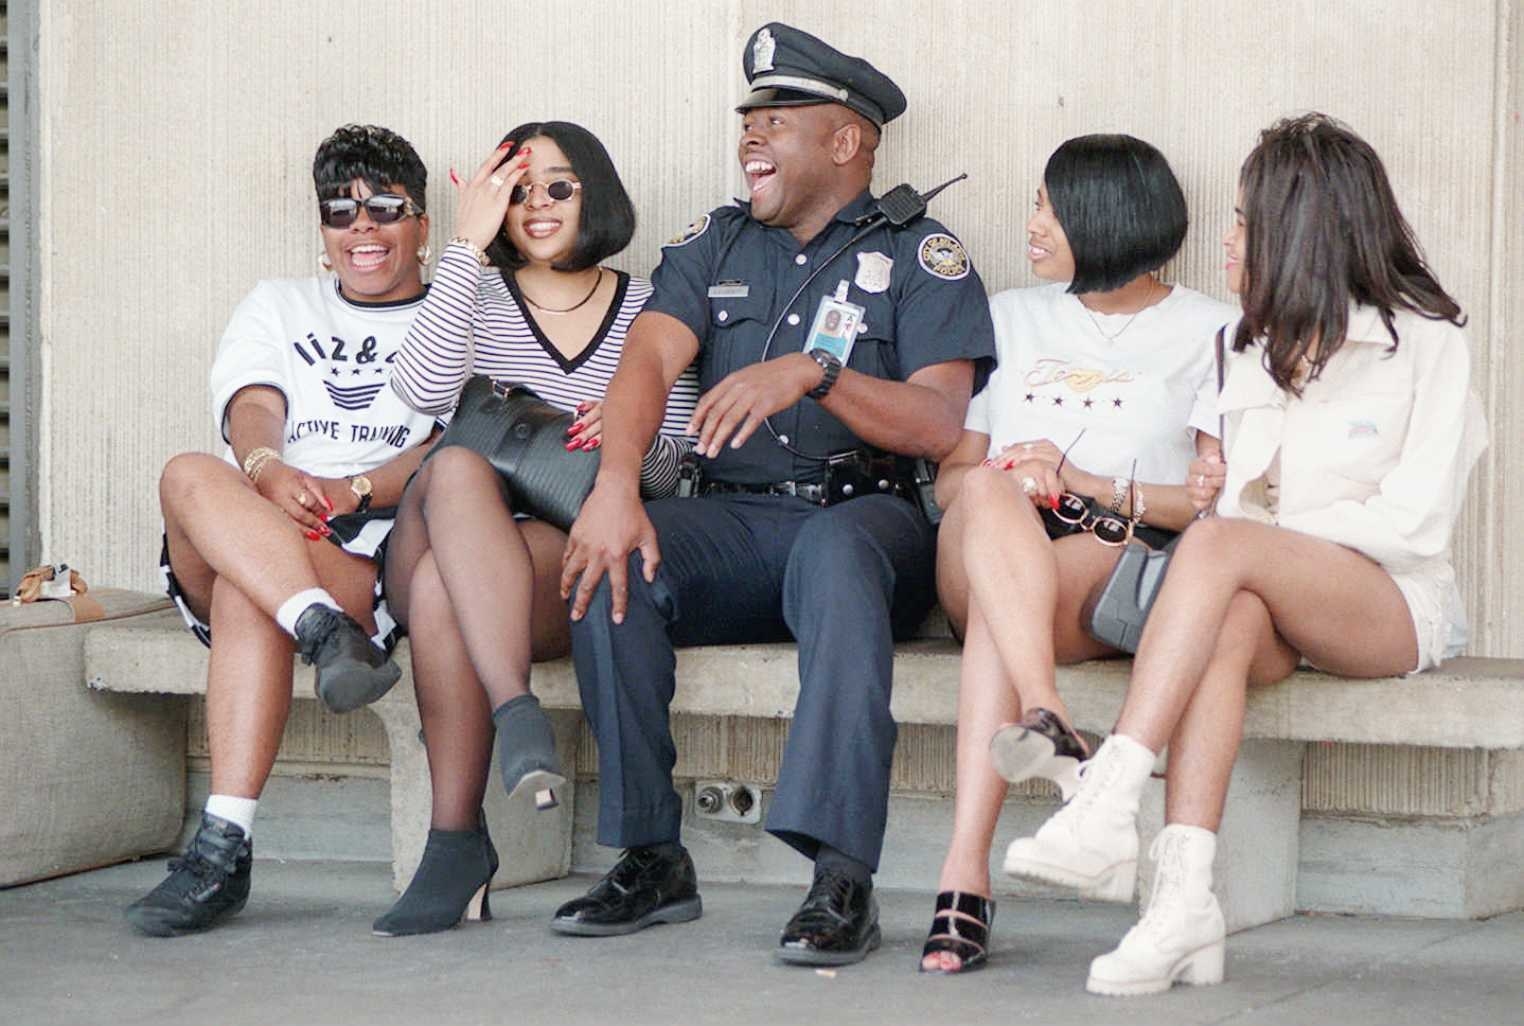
x: 476, y: 251
x: 255, y: 461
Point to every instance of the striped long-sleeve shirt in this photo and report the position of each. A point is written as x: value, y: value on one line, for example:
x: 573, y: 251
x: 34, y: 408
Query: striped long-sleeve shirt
x: 474, y: 322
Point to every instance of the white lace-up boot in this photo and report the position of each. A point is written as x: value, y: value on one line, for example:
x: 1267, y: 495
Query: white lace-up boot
x: 1092, y: 842
x: 1180, y: 937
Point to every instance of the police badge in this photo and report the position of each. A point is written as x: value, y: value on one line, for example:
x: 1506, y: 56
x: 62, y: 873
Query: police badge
x: 762, y: 51
x: 873, y: 271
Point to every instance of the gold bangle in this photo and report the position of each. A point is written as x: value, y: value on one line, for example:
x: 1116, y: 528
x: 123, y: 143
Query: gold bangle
x: 255, y: 461
x: 476, y: 251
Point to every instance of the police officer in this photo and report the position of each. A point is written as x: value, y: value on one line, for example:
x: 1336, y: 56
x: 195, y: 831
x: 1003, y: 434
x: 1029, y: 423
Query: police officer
x: 779, y: 542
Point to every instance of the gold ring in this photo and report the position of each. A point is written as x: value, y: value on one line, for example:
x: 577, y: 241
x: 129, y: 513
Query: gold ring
x: 1029, y: 485
x: 497, y: 181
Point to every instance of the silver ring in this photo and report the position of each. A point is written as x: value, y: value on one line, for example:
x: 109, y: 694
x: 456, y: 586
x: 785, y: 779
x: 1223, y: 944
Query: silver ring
x: 497, y: 181
x: 303, y: 499
x: 1029, y: 485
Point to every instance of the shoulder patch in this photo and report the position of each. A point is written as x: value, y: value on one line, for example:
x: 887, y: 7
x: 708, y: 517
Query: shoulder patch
x: 943, y: 256
x: 690, y: 233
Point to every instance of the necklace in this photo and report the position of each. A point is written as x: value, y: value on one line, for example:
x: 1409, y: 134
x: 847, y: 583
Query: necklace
x: 579, y: 305
x: 1147, y: 302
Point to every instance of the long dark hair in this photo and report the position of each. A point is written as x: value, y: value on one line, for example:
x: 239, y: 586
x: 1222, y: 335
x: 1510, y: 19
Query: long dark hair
x: 1323, y: 229
x: 607, y: 221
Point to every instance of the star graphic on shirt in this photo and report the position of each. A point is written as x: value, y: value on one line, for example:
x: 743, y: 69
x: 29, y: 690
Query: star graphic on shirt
x: 1058, y: 400
x: 1089, y: 403
x: 334, y: 371
x: 356, y: 372
x: 1116, y: 404
x: 1030, y: 397
x: 380, y: 371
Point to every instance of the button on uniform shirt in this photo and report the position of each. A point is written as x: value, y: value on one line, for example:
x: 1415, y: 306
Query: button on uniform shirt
x: 729, y: 277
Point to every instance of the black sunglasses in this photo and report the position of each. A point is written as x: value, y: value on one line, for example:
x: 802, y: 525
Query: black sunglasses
x: 560, y: 190
x: 383, y: 208
x: 1074, y: 514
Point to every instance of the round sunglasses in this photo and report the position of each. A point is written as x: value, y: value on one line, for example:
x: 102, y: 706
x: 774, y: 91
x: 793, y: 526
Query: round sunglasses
x: 560, y: 190
x: 383, y: 208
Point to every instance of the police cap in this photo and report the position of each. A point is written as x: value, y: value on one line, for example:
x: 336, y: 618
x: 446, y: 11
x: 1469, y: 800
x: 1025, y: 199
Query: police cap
x: 790, y: 68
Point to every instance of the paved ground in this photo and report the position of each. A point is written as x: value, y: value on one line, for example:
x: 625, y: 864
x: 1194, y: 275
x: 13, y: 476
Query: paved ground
x: 301, y: 953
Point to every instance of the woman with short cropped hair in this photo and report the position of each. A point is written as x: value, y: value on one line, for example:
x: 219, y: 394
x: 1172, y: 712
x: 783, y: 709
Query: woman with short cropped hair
x: 272, y: 545
x: 1080, y: 441
x: 1351, y: 431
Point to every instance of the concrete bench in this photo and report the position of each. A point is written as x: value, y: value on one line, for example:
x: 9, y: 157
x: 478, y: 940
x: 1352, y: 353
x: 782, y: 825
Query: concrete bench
x: 1469, y: 703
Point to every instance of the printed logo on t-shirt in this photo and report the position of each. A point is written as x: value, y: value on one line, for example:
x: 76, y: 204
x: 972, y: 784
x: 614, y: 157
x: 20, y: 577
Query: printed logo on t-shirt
x: 352, y: 375
x: 1080, y: 382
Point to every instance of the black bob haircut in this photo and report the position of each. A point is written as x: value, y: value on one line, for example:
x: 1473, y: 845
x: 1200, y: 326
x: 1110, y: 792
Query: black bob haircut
x: 376, y: 156
x: 1120, y: 206
x: 607, y: 221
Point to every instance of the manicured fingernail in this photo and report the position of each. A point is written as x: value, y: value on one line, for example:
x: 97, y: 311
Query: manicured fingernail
x: 572, y: 445
x: 576, y: 429
x: 1053, y: 501
x: 454, y: 177
x: 595, y: 443
x: 583, y: 405
x: 323, y: 516
x: 325, y: 530
x: 329, y: 503
x: 506, y: 144
x: 313, y: 536
x: 527, y: 149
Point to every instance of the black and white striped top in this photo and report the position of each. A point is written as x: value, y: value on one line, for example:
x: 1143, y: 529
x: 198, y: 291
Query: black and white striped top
x: 470, y: 307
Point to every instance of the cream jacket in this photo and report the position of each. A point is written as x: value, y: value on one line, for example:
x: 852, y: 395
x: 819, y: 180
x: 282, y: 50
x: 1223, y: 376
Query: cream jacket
x: 1374, y: 455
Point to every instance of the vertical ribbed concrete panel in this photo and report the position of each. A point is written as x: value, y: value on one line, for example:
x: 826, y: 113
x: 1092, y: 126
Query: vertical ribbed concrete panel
x: 177, y: 136
x: 1387, y: 780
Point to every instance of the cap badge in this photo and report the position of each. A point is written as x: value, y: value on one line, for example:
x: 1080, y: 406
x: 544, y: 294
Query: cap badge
x: 942, y: 255
x: 691, y: 232
x: 873, y: 270
x: 762, y: 51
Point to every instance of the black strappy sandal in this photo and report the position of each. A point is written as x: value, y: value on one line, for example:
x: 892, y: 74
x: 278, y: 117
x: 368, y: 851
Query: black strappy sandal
x: 968, y: 938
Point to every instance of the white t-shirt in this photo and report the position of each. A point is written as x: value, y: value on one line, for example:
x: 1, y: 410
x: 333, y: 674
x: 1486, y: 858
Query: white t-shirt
x: 1140, y: 396
x: 332, y: 360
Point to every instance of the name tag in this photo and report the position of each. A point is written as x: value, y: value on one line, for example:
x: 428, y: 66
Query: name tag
x: 729, y: 290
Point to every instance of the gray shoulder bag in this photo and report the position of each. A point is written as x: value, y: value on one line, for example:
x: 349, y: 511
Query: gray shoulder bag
x: 1117, y: 614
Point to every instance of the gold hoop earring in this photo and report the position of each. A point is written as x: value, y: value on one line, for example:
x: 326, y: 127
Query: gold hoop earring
x: 424, y: 252
x: 324, y: 264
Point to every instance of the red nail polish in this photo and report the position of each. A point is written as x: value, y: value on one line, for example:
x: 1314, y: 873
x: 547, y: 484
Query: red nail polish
x: 572, y: 445
x: 576, y: 429
x: 1053, y: 501
x: 313, y: 536
x: 595, y: 443
x: 454, y: 177
x: 527, y: 149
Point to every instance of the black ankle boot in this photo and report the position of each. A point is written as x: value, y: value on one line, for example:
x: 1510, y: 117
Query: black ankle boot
x: 526, y: 751
x: 452, y: 883
x: 351, y: 670
x: 209, y: 882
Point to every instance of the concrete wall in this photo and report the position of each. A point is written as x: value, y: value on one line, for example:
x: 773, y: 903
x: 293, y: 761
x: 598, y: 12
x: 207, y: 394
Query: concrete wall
x: 176, y: 137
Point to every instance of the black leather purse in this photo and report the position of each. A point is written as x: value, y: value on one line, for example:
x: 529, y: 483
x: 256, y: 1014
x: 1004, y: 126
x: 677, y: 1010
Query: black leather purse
x: 524, y: 438
x: 1117, y: 614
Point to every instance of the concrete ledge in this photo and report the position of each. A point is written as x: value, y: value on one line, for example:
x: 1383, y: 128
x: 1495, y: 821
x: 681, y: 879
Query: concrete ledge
x: 1467, y: 703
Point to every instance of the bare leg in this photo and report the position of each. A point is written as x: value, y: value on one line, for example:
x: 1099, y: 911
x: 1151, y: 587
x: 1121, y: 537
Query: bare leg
x: 212, y: 509
x: 952, y: 580
x: 1332, y: 604
x: 248, y: 694
x: 1205, y: 742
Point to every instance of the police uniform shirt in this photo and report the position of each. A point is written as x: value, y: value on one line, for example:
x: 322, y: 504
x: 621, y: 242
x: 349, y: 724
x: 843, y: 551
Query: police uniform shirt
x: 728, y: 278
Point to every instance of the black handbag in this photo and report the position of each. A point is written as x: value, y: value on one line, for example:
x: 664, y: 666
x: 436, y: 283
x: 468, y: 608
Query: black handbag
x: 1116, y: 615
x: 524, y: 438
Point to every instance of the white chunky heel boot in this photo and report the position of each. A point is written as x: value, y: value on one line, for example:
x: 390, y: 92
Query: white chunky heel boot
x: 1091, y: 844
x: 1181, y: 936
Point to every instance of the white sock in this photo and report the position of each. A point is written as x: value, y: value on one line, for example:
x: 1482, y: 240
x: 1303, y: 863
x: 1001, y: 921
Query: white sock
x: 297, y: 604
x: 234, y: 809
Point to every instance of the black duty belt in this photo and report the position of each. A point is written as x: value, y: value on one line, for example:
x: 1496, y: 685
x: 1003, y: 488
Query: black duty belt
x: 816, y: 493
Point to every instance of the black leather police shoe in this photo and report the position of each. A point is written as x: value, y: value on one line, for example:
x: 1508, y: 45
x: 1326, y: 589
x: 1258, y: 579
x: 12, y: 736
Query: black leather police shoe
x: 208, y: 883
x: 644, y: 888
x: 351, y: 670
x: 836, y: 925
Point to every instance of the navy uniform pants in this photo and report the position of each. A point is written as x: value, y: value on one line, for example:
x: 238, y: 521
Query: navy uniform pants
x: 843, y: 581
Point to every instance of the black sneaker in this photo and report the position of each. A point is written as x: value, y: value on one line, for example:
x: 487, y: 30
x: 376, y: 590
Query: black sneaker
x: 644, y: 888
x: 1039, y: 745
x: 351, y: 670
x: 208, y: 883
x: 836, y: 925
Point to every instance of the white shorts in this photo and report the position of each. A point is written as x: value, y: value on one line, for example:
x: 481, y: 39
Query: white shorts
x: 1439, y: 615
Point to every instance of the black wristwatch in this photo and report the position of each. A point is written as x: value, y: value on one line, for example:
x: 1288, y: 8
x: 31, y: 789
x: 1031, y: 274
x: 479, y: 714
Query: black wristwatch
x: 832, y: 368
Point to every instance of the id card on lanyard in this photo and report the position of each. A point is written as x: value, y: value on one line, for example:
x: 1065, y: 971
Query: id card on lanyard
x: 834, y: 328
